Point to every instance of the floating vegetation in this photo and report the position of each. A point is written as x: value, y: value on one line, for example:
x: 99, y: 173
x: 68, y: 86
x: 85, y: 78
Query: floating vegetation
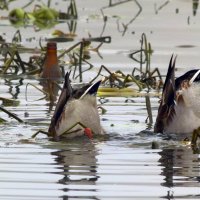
x: 160, y: 7
x: 10, y: 114
x: 195, y: 137
x: 13, y: 63
x: 60, y: 36
x: 143, y: 79
x: 124, y: 26
x: 195, y: 5
x: 117, y: 79
x: 79, y: 54
x: 117, y: 92
x: 151, y: 78
x: 4, y: 4
x: 42, y: 16
x: 149, y: 119
x: 9, y: 102
x: 11, y: 55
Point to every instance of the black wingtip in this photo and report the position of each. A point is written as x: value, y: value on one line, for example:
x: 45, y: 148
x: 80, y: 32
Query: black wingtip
x: 166, y: 108
x: 92, y: 90
x: 65, y: 95
x: 170, y: 71
x: 67, y: 80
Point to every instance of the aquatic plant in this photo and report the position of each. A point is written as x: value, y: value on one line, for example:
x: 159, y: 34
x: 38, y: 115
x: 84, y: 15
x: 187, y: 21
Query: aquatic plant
x: 146, y: 76
x: 160, y: 7
x: 145, y: 79
x: 124, y: 26
x: 79, y: 53
x: 10, y: 114
x: 4, y: 4
x: 42, y: 16
x: 13, y: 63
x: 195, y: 5
x: 118, y: 79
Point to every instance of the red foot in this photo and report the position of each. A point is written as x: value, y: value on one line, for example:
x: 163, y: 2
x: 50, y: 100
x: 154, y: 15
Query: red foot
x: 88, y: 133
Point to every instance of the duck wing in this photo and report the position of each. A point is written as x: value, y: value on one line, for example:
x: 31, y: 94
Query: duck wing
x: 189, y: 87
x: 92, y: 90
x: 191, y: 76
x: 166, y: 109
x: 65, y: 95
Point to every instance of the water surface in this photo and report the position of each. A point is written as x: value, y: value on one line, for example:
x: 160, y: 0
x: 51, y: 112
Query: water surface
x: 124, y: 166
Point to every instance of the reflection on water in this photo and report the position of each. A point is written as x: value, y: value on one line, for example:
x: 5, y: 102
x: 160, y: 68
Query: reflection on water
x: 14, y: 90
x: 78, y: 163
x: 181, y: 167
x: 99, y: 170
x: 79, y: 168
x: 181, y: 171
x: 50, y: 89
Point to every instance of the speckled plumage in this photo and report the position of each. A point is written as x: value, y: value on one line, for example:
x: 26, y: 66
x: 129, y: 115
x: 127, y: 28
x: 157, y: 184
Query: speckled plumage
x: 76, y: 105
x: 179, y: 110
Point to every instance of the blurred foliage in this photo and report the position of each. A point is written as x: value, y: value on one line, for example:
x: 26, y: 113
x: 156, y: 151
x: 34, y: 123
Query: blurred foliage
x: 42, y: 16
x: 4, y: 4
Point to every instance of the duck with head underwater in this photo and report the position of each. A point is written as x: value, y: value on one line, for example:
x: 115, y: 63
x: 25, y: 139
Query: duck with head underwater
x: 179, y: 109
x: 76, y: 112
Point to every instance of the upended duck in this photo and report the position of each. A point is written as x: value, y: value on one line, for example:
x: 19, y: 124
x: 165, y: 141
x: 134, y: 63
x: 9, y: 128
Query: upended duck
x: 179, y: 109
x: 76, y: 112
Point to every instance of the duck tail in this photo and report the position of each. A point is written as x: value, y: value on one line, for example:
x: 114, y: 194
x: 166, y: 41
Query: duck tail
x: 165, y: 110
x: 92, y: 90
x: 65, y: 95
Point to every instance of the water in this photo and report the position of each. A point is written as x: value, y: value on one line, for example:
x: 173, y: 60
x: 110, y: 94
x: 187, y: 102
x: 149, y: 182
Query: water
x: 123, y: 166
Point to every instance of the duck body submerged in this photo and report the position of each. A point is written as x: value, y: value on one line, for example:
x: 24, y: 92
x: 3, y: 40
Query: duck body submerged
x: 179, y: 109
x: 83, y: 111
x: 76, y: 110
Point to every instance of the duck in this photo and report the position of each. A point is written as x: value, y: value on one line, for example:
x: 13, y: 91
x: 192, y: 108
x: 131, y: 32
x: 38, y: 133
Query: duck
x: 76, y: 112
x: 179, y: 109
